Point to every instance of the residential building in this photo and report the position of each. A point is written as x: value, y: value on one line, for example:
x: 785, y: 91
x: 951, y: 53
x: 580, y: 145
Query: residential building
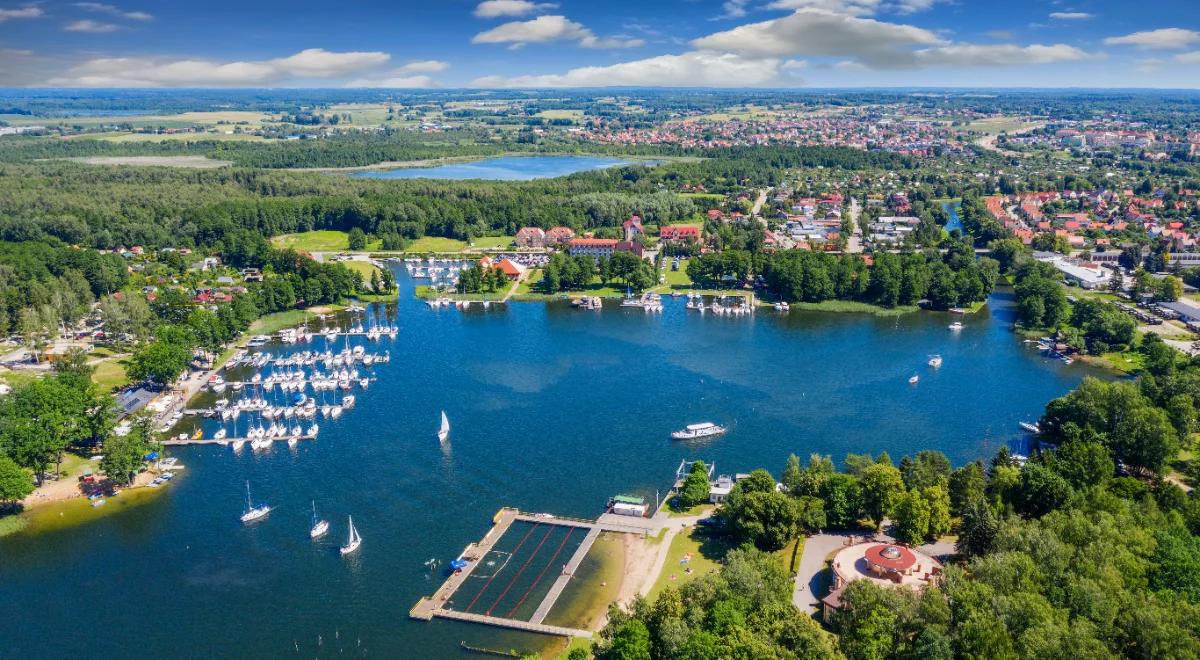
x: 531, y: 237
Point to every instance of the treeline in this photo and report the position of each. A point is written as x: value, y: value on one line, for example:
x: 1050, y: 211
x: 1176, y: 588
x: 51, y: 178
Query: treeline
x: 953, y: 279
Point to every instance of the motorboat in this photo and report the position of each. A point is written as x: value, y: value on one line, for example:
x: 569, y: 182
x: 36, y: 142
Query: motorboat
x: 254, y: 512
x: 913, y: 379
x: 695, y: 431
x: 957, y: 325
x: 1032, y: 428
x: 935, y: 361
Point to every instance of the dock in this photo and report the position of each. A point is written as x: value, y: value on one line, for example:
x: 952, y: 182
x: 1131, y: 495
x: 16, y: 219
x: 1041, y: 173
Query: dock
x: 556, y: 589
x: 175, y: 442
x: 428, y: 608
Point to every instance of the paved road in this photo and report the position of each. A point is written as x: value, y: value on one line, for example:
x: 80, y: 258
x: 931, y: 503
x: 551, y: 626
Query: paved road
x: 809, y: 587
x: 854, y: 243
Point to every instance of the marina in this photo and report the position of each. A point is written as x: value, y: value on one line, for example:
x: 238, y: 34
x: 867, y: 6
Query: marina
x: 512, y: 386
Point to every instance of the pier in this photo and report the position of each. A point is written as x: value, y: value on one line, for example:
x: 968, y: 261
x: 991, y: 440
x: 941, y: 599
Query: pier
x: 568, y: 572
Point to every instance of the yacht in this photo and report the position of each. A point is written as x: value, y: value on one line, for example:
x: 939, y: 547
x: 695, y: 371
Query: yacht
x: 444, y: 429
x: 1032, y: 428
x: 353, y: 541
x: 701, y: 430
x: 238, y: 444
x: 220, y: 434
x: 935, y: 361
x: 957, y: 325
x: 782, y: 307
x: 319, y: 527
x: 254, y: 512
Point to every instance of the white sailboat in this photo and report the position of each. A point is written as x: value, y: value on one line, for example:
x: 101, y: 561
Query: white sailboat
x: 319, y: 527
x: 353, y: 541
x: 254, y: 512
x: 444, y: 430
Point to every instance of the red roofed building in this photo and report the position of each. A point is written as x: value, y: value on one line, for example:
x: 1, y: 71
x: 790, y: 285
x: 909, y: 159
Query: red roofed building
x: 679, y: 233
x: 531, y: 237
x: 511, y: 269
x: 593, y: 247
x: 559, y: 235
x: 633, y: 228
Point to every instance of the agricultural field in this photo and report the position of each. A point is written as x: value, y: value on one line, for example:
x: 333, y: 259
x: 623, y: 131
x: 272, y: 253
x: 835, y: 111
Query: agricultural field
x: 319, y: 241
x: 198, y: 162
x: 560, y: 114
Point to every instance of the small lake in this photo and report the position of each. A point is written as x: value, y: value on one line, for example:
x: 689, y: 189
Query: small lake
x: 553, y: 409
x: 505, y: 168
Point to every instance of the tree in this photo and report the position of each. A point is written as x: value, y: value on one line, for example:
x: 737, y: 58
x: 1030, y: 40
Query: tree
x: 630, y: 642
x: 769, y: 520
x: 15, y: 481
x: 1082, y: 463
x: 123, y: 454
x: 967, y: 483
x: 843, y: 502
x: 938, y: 500
x: 910, y: 516
x: 695, y: 486
x: 159, y: 362
x: 978, y: 530
x: 881, y: 486
x: 929, y: 468
x: 1042, y: 490
x: 357, y: 239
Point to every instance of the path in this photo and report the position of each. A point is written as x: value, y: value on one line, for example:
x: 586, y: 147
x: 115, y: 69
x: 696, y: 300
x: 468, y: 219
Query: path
x: 854, y: 243
x: 805, y: 595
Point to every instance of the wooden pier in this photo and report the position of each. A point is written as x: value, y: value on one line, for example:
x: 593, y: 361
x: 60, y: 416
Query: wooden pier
x: 513, y: 624
x: 175, y: 442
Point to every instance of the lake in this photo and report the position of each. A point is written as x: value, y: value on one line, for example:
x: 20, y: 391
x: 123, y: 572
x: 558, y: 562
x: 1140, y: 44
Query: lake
x: 553, y: 409
x: 506, y: 168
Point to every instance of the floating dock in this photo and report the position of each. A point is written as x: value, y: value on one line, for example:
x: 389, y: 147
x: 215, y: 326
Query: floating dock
x: 176, y: 442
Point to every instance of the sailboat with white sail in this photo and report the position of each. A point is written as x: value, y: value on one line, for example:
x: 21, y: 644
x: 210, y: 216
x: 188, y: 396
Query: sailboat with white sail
x: 319, y: 527
x: 353, y: 541
x: 444, y: 430
x: 254, y: 512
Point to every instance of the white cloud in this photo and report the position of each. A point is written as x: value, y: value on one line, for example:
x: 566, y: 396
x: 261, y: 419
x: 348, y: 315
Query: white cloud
x: 1165, y: 38
x: 1071, y: 15
x: 90, y: 26
x: 794, y: 65
x: 423, y: 66
x: 545, y: 29
x: 998, y: 55
x: 165, y: 72
x: 1188, y: 58
x: 851, y: 7
x: 692, y: 69
x: 819, y: 32
x: 733, y: 8
x: 24, y: 12
x: 113, y: 10
x: 497, y: 8
x: 320, y: 63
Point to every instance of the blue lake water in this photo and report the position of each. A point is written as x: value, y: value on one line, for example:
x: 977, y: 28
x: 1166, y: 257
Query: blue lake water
x: 553, y: 409
x: 506, y: 168
x: 955, y: 222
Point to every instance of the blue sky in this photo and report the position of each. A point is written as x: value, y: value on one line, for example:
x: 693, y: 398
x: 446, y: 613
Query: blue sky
x: 571, y: 43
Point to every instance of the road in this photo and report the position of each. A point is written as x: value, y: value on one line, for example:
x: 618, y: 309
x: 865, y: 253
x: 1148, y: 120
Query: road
x: 854, y: 243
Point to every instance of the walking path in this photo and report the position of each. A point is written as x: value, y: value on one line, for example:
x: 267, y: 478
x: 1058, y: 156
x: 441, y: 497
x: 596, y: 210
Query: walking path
x: 514, y: 624
x: 568, y: 572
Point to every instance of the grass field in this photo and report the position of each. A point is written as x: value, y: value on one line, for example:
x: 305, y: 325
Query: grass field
x: 704, y: 551
x: 325, y: 240
x: 698, y: 196
x: 198, y: 162
x: 182, y: 120
x: 110, y: 374
x: 853, y: 306
x: 560, y: 114
x: 278, y: 321
x: 437, y: 244
x: 492, y: 242
x: 181, y: 137
x: 364, y: 268
x: 678, y: 279
x: 15, y: 378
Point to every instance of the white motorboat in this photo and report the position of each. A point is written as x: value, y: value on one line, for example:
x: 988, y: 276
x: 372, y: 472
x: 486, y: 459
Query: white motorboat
x: 353, y: 541
x: 1032, y: 428
x: 913, y: 379
x: 238, y: 444
x: 254, y: 512
x: 444, y: 429
x: 935, y: 361
x: 348, y: 401
x: 220, y: 434
x: 319, y: 527
x: 701, y: 430
x: 957, y: 325
x: 335, y: 412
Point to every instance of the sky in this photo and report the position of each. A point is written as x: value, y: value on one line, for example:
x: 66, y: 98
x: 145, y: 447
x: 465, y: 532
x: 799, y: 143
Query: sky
x: 599, y: 43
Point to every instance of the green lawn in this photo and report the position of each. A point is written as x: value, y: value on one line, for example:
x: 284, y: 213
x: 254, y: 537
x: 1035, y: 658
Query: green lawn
x: 492, y: 242
x: 699, y: 196
x: 16, y: 378
x: 364, y: 268
x: 436, y: 244
x: 110, y: 374
x: 272, y: 323
x: 325, y: 240
x: 853, y: 306
x: 706, y: 551
x: 677, y: 279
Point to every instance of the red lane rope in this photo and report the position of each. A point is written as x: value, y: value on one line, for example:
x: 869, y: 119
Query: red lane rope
x: 489, y: 581
x: 543, y: 573
x: 523, y: 567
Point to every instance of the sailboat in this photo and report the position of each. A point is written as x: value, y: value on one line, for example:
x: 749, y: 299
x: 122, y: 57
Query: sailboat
x: 319, y: 527
x: 353, y: 541
x: 254, y: 512
x: 444, y: 431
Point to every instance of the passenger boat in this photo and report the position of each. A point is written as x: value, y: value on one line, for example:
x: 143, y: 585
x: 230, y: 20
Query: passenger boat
x: 935, y: 361
x: 254, y: 512
x: 701, y: 430
x: 353, y: 541
x: 319, y: 527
